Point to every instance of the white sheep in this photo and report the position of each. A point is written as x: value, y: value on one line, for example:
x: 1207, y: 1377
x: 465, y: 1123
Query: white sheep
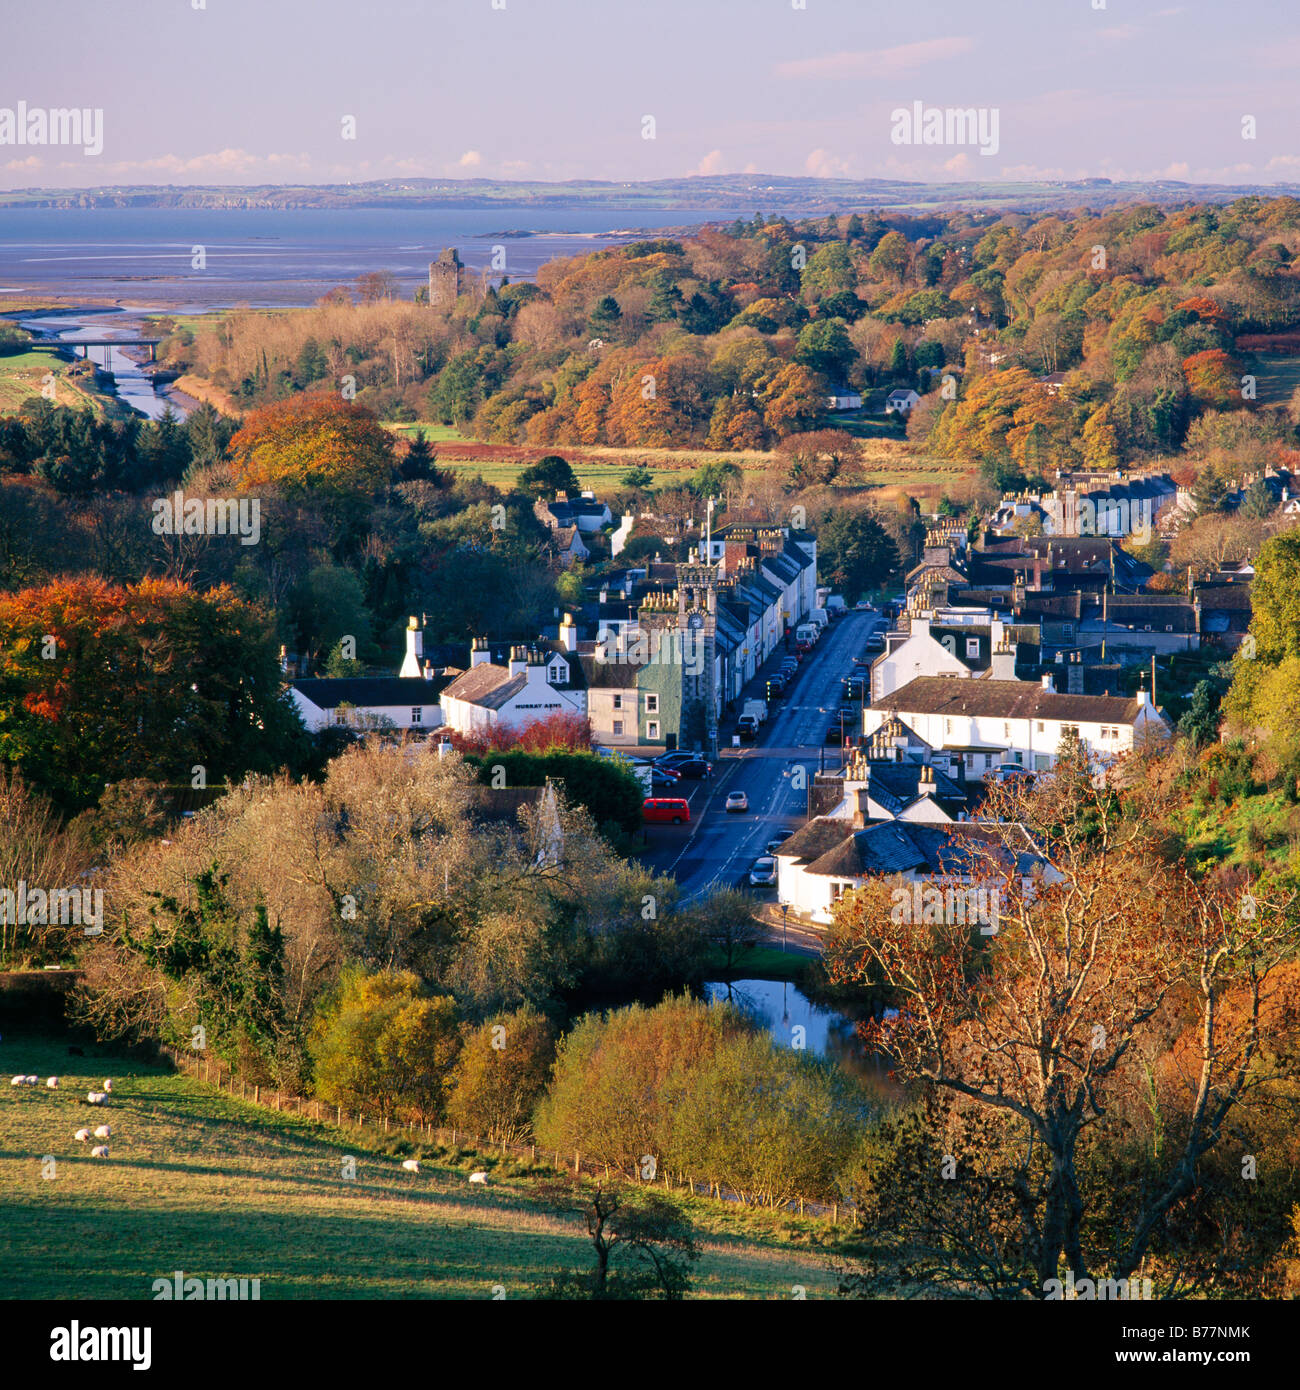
x: 103, y: 1131
x: 95, y: 1097
x: 478, y: 1177
x: 52, y: 1082
x: 19, y: 1081
x: 108, y: 1083
x: 33, y: 1080
x: 412, y: 1165
x: 99, y: 1151
x: 82, y: 1136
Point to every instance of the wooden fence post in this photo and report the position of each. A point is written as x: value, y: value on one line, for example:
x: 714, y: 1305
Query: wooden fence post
x: 577, y: 1167
x: 338, y: 1115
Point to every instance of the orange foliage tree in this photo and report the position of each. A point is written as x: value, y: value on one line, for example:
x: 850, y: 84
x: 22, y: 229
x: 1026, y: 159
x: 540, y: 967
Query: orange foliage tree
x: 1041, y: 1028
x: 313, y: 443
x: 154, y: 680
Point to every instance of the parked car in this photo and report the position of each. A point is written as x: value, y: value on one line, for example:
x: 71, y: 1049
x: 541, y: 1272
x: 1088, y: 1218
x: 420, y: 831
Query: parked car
x: 862, y: 606
x: 747, y: 727
x: 737, y: 801
x: 666, y: 810
x: 662, y: 782
x: 763, y: 872
x: 695, y: 769
x: 777, y: 841
x: 668, y: 770
x: 833, y: 734
x: 874, y: 643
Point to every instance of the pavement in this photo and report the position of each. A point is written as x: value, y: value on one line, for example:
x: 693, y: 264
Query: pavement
x: 718, y: 847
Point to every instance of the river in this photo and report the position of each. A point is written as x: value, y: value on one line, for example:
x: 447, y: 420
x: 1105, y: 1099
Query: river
x: 133, y: 386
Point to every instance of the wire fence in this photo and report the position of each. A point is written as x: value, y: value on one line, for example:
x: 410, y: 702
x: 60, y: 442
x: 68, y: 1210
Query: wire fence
x: 214, y: 1072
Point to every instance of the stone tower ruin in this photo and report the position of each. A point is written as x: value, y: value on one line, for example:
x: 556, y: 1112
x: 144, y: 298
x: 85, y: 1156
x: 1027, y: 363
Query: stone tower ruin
x: 445, y: 279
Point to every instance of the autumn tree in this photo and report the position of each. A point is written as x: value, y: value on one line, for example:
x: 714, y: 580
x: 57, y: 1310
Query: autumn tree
x: 100, y: 682
x: 502, y: 1072
x: 1098, y: 998
x: 313, y: 443
x: 384, y: 1044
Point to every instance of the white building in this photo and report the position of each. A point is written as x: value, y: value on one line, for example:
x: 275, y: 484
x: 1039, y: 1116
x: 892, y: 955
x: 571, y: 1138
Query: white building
x: 408, y: 700
x: 951, y: 643
x: 536, y: 683
x: 818, y: 864
x: 901, y: 401
x: 992, y: 723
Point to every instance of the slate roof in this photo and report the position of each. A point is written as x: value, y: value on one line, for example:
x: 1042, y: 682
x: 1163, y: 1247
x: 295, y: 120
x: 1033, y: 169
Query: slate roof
x: 486, y: 685
x: 951, y: 695
x: 895, y: 847
x: 370, y: 692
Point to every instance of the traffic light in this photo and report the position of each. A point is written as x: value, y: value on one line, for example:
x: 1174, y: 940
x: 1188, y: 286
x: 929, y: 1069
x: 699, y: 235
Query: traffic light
x: 769, y: 692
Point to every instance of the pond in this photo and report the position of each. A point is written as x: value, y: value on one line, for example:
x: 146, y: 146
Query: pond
x: 781, y: 1009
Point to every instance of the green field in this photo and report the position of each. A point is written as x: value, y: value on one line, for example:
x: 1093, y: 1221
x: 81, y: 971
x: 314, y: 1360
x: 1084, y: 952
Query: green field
x: 21, y: 375
x: 1277, y: 376
x: 217, y: 1187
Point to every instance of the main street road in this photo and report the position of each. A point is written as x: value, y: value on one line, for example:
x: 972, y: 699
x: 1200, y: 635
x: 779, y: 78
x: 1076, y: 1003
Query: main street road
x: 717, y: 848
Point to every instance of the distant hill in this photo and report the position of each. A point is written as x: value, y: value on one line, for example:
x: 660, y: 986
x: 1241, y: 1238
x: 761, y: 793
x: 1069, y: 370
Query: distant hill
x: 770, y: 193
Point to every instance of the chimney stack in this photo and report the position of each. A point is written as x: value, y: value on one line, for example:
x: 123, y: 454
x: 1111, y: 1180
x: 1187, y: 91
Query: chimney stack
x: 478, y: 652
x: 1048, y: 683
x: 569, y: 634
x: 518, y: 660
x: 414, y: 648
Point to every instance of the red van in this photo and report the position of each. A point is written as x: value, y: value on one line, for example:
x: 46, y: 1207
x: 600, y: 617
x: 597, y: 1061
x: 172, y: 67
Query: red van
x: 666, y: 810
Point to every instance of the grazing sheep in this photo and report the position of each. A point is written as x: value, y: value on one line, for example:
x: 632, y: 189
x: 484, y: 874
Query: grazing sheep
x: 99, y: 1151
x: 412, y: 1165
x: 19, y: 1081
x: 103, y: 1131
x: 52, y: 1082
x: 478, y: 1177
x: 32, y: 1080
x: 108, y: 1083
x: 95, y: 1097
x: 82, y: 1136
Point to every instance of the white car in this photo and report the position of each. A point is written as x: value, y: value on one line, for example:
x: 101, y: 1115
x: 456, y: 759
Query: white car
x: 737, y: 801
x: 763, y: 872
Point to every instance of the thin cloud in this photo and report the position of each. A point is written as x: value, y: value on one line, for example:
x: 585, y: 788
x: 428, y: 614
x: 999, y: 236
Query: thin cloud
x: 883, y: 62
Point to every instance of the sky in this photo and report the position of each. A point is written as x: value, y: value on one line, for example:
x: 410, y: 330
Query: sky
x: 260, y: 91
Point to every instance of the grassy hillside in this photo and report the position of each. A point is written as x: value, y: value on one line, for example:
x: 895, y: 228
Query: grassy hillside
x: 214, y: 1186
x: 22, y: 373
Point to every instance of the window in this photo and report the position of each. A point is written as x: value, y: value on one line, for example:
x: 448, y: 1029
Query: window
x: 1040, y: 726
x: 1006, y: 731
x: 1067, y: 631
x: 417, y: 714
x: 972, y: 646
x: 947, y: 726
x: 340, y: 715
x: 618, y: 728
x: 652, y: 704
x: 652, y: 730
x: 618, y: 702
x: 1069, y: 731
x: 558, y: 674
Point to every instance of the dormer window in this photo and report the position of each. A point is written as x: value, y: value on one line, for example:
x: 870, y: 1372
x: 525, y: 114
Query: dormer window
x: 558, y: 672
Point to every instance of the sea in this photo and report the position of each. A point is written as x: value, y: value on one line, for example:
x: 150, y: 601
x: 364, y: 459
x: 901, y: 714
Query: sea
x: 189, y: 261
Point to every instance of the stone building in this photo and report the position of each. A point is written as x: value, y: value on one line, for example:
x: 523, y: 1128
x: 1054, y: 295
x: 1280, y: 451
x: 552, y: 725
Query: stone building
x: 445, y: 279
